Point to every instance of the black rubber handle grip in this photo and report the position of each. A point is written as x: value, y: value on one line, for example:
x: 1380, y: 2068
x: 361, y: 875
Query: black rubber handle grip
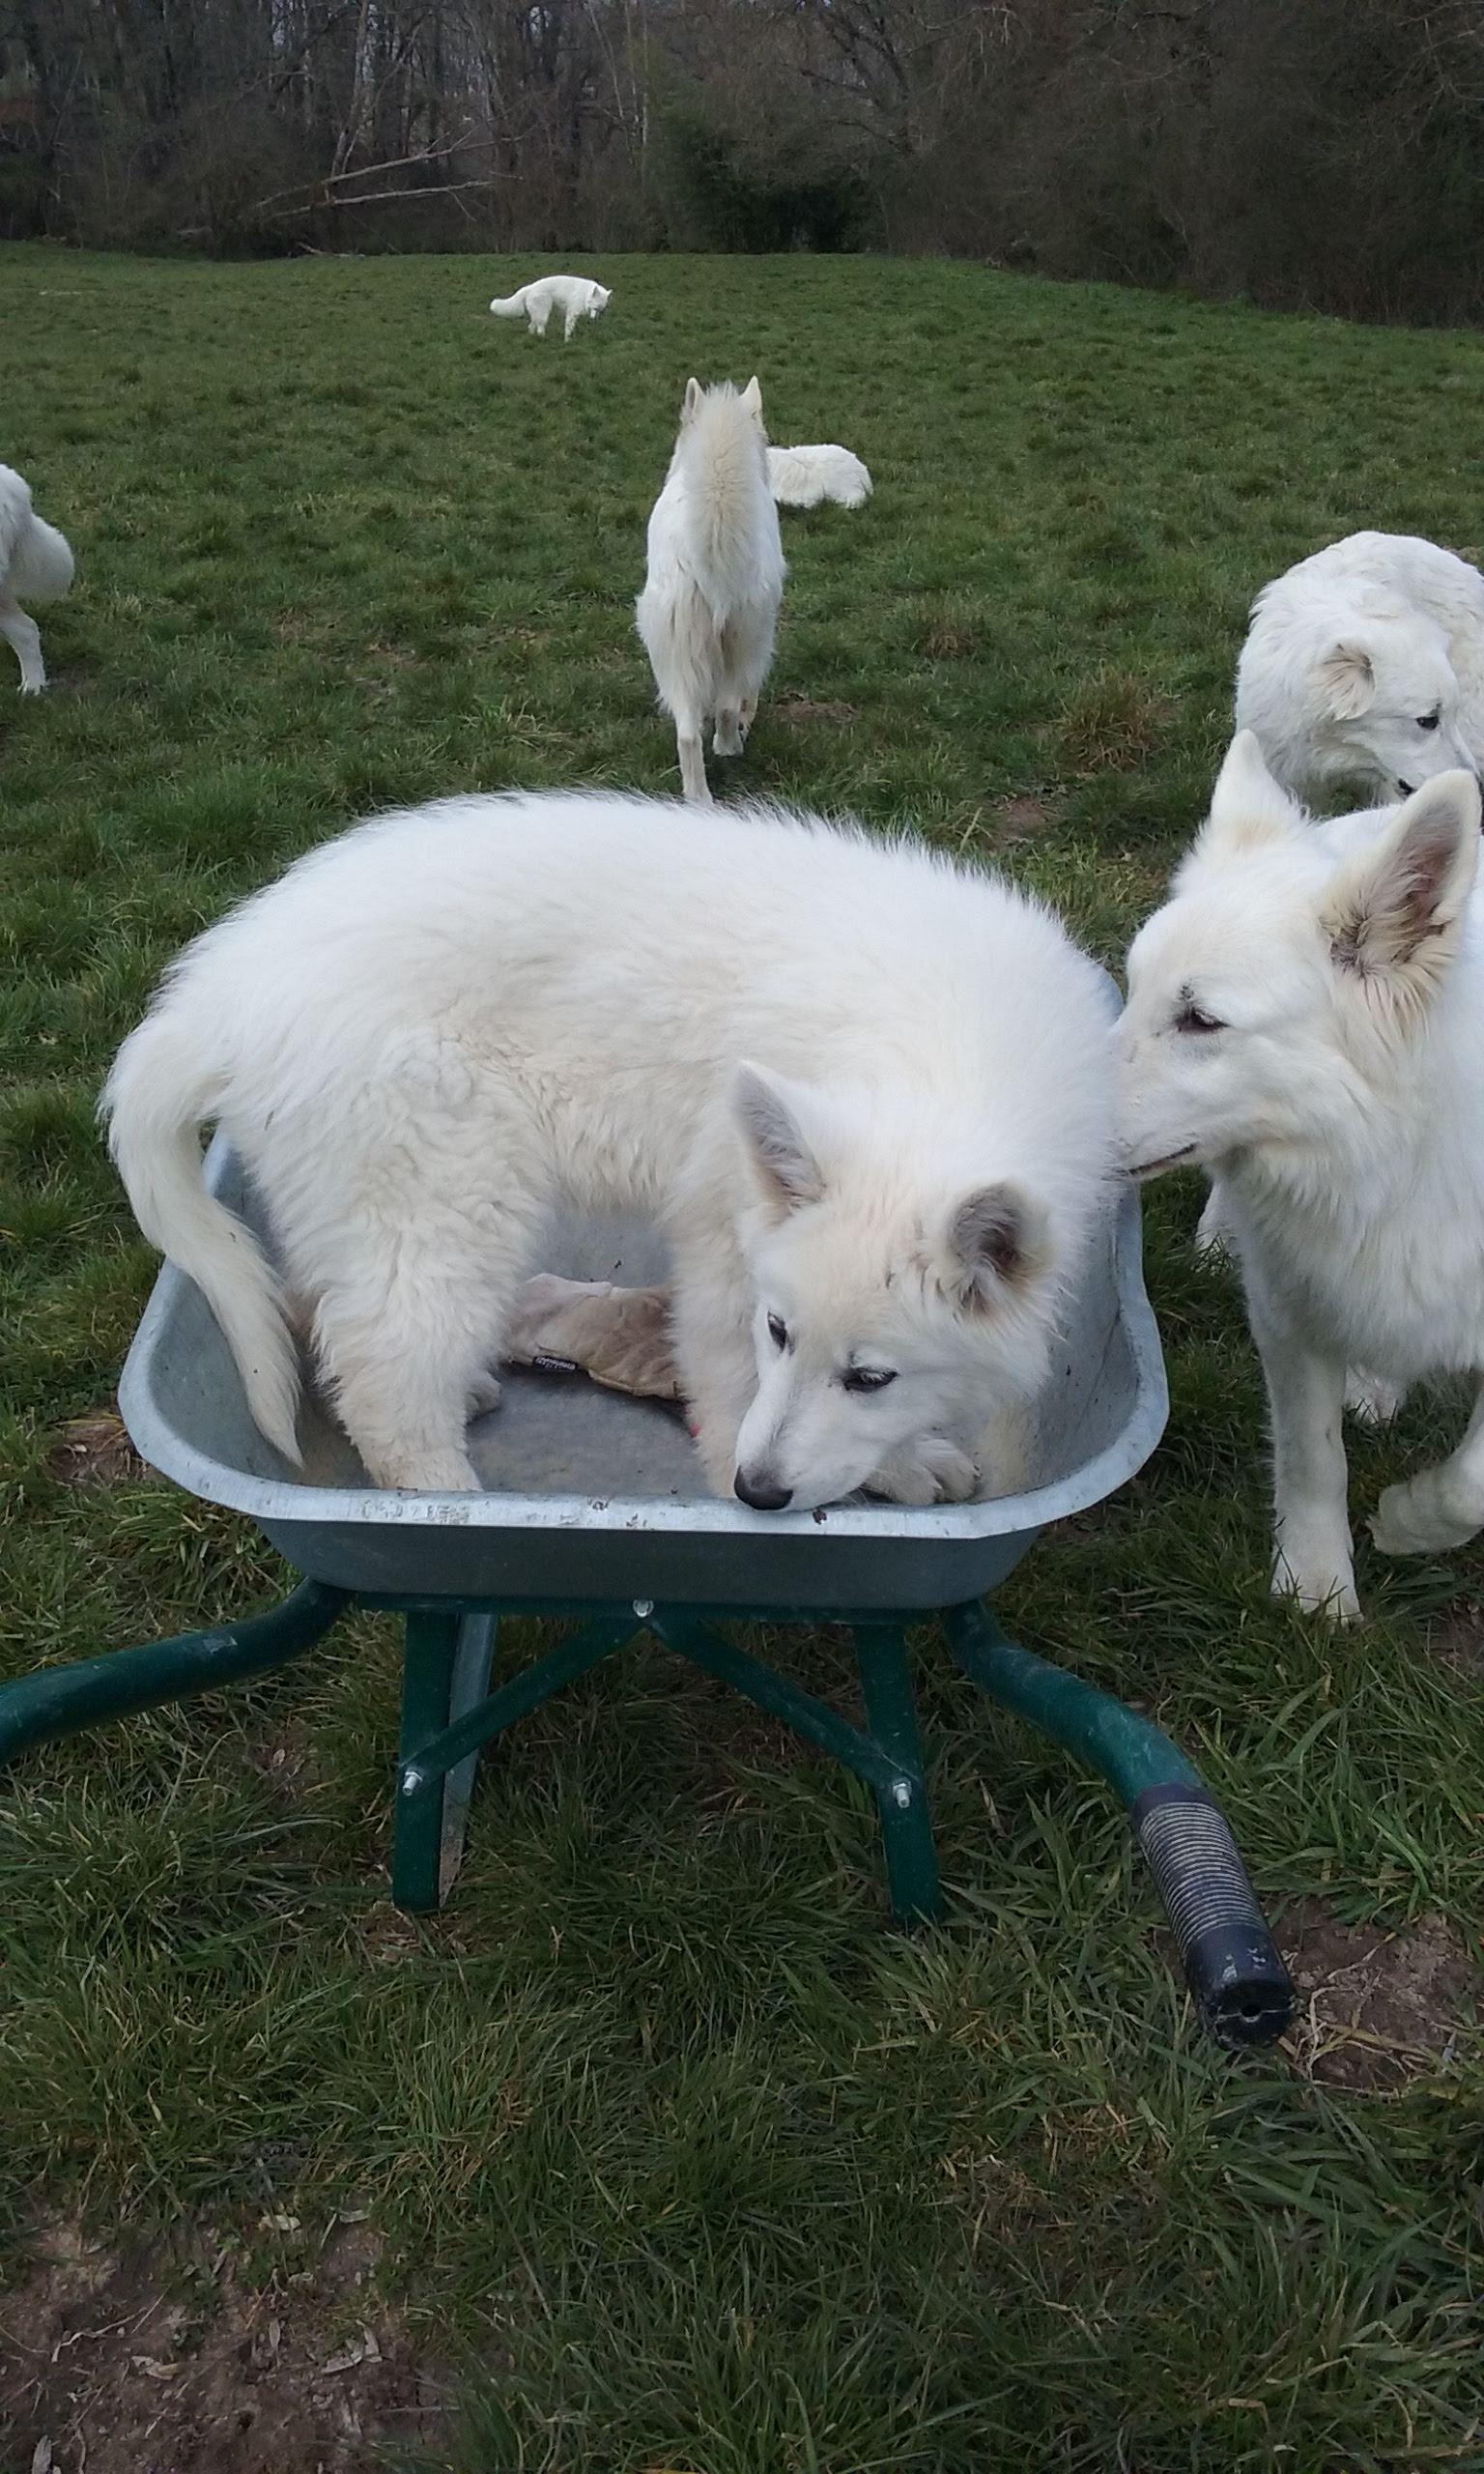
x: 1243, y: 1990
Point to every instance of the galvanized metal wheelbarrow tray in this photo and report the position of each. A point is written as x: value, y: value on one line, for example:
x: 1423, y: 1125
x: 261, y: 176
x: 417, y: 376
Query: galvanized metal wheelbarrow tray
x: 593, y: 1507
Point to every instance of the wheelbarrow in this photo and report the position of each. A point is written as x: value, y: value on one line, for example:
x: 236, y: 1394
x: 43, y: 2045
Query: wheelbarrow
x: 592, y: 1509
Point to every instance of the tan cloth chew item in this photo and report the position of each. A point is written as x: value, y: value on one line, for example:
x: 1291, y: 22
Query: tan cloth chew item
x: 619, y: 1336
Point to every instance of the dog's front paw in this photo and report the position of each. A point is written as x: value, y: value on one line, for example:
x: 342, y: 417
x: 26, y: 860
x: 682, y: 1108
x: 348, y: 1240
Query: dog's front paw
x: 933, y: 1471
x: 1425, y: 1517
x: 1318, y: 1586
x: 1372, y: 1401
x: 32, y: 686
x: 484, y: 1394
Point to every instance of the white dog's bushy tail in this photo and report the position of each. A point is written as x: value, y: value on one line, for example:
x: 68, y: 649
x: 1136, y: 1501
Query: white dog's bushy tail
x: 512, y: 307
x: 42, y: 566
x: 720, y: 456
x: 161, y: 1091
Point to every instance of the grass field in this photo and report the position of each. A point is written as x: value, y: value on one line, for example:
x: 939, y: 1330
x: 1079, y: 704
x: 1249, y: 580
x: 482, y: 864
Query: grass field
x: 657, y: 2141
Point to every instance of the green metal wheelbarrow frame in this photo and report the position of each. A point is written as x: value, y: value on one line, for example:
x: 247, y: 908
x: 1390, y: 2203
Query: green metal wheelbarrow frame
x: 449, y: 1713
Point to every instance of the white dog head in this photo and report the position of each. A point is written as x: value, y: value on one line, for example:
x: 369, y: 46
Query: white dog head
x: 894, y: 1298
x: 1377, y: 706
x: 1291, y: 960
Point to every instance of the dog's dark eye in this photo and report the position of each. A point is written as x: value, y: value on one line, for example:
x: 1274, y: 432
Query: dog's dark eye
x: 868, y: 1378
x: 1191, y: 1019
x: 1429, y: 721
x: 777, y: 1331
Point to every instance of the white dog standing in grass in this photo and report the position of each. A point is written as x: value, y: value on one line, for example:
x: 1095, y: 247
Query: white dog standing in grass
x: 576, y: 295
x: 1364, y: 668
x: 35, y: 563
x: 807, y: 475
x: 710, y: 607
x: 1305, y: 1018
x: 868, y: 1095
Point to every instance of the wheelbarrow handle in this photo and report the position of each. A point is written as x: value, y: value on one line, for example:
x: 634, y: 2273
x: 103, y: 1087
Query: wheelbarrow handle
x: 1231, y: 1961
x: 59, y: 1700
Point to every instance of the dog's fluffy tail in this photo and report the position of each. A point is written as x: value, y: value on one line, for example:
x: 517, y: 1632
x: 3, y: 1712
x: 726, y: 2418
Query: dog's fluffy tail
x: 41, y: 568
x: 513, y: 306
x: 731, y: 524
x: 161, y: 1091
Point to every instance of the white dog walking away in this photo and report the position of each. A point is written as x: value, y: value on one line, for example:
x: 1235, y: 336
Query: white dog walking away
x: 867, y: 1093
x: 709, y: 607
x: 1364, y: 667
x: 576, y: 295
x: 35, y: 562
x: 806, y: 475
x: 1306, y: 1019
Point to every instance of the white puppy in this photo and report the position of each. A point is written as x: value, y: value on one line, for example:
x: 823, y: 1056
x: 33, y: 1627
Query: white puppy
x: 1305, y: 1017
x: 576, y: 295
x: 710, y: 607
x: 36, y: 562
x: 867, y: 1093
x: 804, y: 476
x: 1364, y: 667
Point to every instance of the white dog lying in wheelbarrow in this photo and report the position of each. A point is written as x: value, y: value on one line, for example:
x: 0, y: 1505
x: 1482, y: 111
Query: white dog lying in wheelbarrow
x: 868, y: 1095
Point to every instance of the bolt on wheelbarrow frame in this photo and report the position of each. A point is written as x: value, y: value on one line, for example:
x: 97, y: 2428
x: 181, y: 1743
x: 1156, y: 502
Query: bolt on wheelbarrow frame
x: 546, y: 1540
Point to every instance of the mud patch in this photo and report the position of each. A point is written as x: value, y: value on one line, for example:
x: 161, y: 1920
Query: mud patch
x: 139, y: 2359
x: 1377, y: 2008
x: 1456, y: 1640
x: 815, y: 708
x: 93, y: 1451
x: 1023, y: 819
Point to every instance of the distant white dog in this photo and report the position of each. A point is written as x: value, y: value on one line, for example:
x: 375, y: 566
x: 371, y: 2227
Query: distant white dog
x: 804, y: 476
x: 576, y: 295
x: 710, y: 607
x: 1306, y: 1018
x: 34, y: 560
x: 431, y: 1029
x: 1364, y: 666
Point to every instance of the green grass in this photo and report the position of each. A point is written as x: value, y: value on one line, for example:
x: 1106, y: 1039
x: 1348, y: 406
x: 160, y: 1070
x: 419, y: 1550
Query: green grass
x: 705, y: 2167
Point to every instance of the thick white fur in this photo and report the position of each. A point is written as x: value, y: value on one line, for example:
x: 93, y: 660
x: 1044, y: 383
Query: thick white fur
x: 1340, y: 1105
x: 576, y: 295
x: 710, y: 607
x: 1350, y: 657
x: 861, y: 1089
x: 36, y: 562
x: 804, y: 476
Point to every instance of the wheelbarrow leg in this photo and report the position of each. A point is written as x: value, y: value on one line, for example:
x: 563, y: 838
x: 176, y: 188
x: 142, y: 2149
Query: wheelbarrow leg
x: 446, y: 1674
x: 906, y: 1820
x: 473, y: 1660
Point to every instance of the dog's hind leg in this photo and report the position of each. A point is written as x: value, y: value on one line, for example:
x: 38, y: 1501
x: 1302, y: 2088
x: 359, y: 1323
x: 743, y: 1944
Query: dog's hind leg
x: 693, y: 785
x: 727, y: 737
x: 1441, y: 1508
x: 408, y: 1324
x: 24, y: 637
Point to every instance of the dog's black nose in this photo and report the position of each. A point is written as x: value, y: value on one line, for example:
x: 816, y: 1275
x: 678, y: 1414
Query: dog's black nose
x: 1406, y: 789
x: 762, y: 1492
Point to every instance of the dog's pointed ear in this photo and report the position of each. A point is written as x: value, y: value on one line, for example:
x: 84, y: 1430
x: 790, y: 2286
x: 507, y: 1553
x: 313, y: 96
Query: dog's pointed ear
x: 1247, y: 806
x: 769, y: 1111
x: 998, y: 1239
x: 751, y: 396
x: 1392, y: 915
x: 1346, y: 678
x: 694, y: 393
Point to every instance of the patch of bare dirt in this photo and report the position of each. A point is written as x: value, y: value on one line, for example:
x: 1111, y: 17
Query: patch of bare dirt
x: 93, y: 1451
x: 1023, y: 819
x: 139, y: 2359
x: 1378, y: 2008
x: 1456, y: 1640
x: 815, y: 708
